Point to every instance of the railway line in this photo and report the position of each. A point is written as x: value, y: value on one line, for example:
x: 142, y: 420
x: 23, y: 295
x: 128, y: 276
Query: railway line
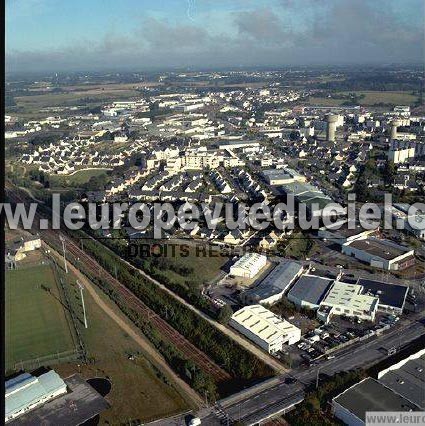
x: 79, y: 257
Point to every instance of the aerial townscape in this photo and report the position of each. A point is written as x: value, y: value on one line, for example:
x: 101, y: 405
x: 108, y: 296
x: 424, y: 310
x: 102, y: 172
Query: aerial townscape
x: 133, y: 311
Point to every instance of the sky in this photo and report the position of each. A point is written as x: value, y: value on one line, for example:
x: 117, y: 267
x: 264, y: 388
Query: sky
x: 85, y: 35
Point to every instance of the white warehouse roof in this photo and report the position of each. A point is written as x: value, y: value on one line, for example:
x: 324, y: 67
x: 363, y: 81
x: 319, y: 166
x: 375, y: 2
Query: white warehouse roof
x: 27, y: 391
x: 250, y: 263
x: 264, y: 323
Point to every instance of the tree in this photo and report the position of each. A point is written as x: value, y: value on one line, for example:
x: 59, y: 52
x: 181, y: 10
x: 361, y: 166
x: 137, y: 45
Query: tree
x: 389, y: 172
x: 225, y: 314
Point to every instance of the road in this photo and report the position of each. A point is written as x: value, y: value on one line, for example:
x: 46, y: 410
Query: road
x: 275, y: 396
x: 259, y: 353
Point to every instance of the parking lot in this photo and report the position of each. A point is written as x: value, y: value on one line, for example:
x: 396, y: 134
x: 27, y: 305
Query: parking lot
x: 326, y: 339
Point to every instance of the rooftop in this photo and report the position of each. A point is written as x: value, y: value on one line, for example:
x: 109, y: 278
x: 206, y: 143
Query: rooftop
x: 263, y: 323
x: 380, y: 248
x: 341, y: 228
x: 349, y: 295
x: 73, y: 408
x: 249, y: 260
x: 370, y: 395
x: 408, y: 381
x: 389, y: 294
x: 276, y: 281
x: 310, y: 288
x: 25, y: 390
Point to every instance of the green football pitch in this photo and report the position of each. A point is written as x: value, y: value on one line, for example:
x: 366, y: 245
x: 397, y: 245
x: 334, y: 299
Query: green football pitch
x: 36, y: 321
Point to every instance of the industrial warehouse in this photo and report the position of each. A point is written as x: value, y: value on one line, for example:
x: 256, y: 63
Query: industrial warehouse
x: 309, y: 291
x: 379, y: 253
x: 48, y: 399
x: 347, y: 299
x: 398, y: 388
x: 271, y: 289
x: 264, y: 328
x: 392, y: 297
x: 249, y: 265
x: 27, y: 392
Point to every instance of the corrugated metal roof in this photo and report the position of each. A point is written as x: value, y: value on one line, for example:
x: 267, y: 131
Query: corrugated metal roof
x: 264, y: 323
x: 277, y: 281
x: 310, y: 288
x: 16, y: 383
x: 29, y: 389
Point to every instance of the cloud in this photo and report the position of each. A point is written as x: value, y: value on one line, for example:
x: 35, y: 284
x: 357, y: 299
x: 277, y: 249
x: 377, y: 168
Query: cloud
x: 163, y: 35
x: 261, y: 25
x: 331, y: 32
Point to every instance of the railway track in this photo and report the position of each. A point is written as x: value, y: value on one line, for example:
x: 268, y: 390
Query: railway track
x: 76, y: 255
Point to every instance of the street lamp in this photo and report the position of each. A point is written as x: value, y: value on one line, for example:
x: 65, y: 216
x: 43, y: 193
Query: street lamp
x: 82, y: 301
x: 63, y: 249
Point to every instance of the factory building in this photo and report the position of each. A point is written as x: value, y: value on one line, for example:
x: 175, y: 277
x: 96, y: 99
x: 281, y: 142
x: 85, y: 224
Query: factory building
x: 271, y: 289
x: 392, y: 297
x: 282, y: 176
x: 309, y: 291
x: 368, y: 395
x: 26, y: 392
x: 347, y: 299
x: 407, y: 378
x: 264, y: 328
x: 379, y: 253
x: 249, y: 265
x: 340, y: 233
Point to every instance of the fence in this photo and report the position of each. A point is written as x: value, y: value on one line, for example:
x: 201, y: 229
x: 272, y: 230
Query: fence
x: 55, y: 358
x: 74, y: 322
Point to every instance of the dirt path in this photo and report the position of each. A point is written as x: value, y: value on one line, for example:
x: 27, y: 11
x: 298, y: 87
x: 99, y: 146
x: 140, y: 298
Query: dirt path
x: 144, y: 344
x: 265, y: 357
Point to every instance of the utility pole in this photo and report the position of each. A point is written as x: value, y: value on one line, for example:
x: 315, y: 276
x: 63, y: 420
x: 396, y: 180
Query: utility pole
x: 82, y: 301
x: 63, y: 249
x: 317, y: 378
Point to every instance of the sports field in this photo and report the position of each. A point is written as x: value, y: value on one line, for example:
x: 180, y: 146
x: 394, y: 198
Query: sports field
x: 36, y: 322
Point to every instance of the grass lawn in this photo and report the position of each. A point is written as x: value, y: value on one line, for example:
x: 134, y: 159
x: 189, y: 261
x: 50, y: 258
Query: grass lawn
x: 36, y: 323
x: 34, y: 102
x: 325, y: 101
x: 204, y: 262
x: 139, y: 391
x: 396, y: 97
x: 370, y: 98
x: 78, y: 178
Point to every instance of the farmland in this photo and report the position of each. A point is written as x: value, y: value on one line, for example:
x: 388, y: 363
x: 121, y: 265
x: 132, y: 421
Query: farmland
x: 369, y: 98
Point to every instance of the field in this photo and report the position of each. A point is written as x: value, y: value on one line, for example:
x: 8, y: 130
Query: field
x: 139, y: 390
x: 203, y: 263
x: 77, y: 178
x: 88, y: 95
x: 370, y: 98
x: 36, y: 323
